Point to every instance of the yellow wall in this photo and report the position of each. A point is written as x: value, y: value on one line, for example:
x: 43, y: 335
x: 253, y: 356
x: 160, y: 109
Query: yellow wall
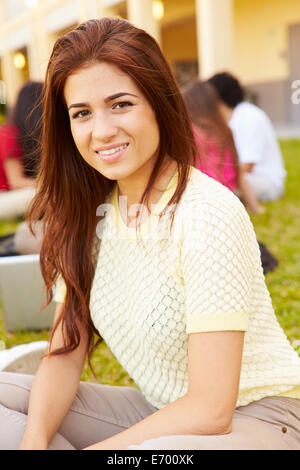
x: 260, y: 45
x: 177, y: 9
x: 178, y: 31
x: 179, y: 41
x: 261, y: 38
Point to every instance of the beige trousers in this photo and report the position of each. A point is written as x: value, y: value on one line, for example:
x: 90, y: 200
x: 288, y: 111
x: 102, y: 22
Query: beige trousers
x: 100, y: 411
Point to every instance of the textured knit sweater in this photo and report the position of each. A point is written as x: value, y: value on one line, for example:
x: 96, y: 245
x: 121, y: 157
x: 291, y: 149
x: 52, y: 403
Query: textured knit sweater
x: 153, y: 287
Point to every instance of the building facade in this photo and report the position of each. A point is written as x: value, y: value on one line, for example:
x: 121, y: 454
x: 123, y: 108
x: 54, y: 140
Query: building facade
x: 257, y: 40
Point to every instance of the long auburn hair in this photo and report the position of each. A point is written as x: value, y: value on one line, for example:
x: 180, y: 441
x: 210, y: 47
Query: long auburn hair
x: 69, y: 190
x: 202, y: 103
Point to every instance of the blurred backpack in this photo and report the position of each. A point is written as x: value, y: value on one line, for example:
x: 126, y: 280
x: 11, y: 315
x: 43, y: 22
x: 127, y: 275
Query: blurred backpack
x: 268, y: 261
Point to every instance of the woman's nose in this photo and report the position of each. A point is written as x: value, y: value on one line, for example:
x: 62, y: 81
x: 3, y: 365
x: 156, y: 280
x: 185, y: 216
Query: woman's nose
x: 104, y: 129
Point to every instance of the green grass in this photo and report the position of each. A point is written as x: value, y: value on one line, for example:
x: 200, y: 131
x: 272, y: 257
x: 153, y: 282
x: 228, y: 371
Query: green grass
x: 2, y: 118
x: 278, y: 229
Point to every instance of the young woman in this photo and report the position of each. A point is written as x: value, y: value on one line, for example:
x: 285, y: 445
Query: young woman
x: 217, y: 153
x: 156, y: 257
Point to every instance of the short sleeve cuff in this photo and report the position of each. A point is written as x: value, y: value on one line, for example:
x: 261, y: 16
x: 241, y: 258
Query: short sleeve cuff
x: 237, y: 321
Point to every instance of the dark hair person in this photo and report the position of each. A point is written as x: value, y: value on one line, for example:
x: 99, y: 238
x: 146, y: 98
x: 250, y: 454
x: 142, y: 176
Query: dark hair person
x: 217, y: 155
x: 20, y: 138
x: 259, y: 153
x: 229, y: 88
x: 202, y: 103
x: 185, y: 310
x: 27, y: 116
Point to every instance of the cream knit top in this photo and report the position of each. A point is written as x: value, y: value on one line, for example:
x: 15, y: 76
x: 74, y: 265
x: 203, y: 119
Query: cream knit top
x: 152, y: 288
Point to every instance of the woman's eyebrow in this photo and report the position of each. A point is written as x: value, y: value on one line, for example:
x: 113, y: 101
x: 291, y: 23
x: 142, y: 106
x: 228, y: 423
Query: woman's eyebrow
x: 117, y: 95
x: 77, y: 105
x: 106, y: 100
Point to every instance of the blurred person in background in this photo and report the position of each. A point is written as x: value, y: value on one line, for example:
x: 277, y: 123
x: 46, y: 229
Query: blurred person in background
x: 19, y: 152
x: 28, y: 119
x: 255, y: 139
x: 19, y: 162
x: 217, y: 155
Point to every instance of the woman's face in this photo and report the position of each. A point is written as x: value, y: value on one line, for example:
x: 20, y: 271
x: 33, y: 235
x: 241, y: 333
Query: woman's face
x: 112, y: 123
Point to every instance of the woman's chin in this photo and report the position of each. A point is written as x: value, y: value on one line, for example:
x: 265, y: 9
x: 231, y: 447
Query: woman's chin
x: 115, y: 173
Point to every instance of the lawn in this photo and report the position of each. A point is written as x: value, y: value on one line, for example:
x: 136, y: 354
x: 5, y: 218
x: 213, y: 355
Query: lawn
x: 278, y: 229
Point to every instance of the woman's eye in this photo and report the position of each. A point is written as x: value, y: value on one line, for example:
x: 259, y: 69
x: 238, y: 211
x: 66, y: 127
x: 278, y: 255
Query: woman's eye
x: 122, y: 105
x: 80, y: 114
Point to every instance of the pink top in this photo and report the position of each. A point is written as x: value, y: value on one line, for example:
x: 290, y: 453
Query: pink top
x: 209, y: 158
x: 9, y: 148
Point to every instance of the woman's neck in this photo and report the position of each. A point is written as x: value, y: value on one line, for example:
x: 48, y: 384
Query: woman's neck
x: 134, y: 191
x: 131, y: 194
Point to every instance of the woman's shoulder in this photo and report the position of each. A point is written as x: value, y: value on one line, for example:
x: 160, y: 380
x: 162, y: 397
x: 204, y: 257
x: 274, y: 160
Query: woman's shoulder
x: 210, y: 211
x: 203, y: 188
x: 206, y: 199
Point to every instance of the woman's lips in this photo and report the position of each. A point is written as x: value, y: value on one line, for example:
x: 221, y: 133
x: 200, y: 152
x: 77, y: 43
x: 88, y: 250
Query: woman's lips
x: 112, y: 154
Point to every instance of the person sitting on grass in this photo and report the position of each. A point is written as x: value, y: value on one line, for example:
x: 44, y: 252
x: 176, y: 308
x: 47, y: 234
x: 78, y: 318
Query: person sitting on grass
x: 157, y: 258
x: 20, y: 152
x: 257, y: 146
x: 217, y: 156
x: 217, y: 153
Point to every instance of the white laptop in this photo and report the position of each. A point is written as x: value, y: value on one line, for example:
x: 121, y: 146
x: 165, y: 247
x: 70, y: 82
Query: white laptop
x: 23, y: 294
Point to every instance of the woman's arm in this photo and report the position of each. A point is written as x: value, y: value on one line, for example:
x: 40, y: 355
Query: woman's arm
x: 248, y: 196
x: 15, y: 176
x: 53, y: 391
x: 247, y: 167
x: 214, y: 364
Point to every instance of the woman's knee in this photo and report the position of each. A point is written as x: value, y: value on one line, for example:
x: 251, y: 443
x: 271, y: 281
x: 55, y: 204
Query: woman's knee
x: 14, y: 390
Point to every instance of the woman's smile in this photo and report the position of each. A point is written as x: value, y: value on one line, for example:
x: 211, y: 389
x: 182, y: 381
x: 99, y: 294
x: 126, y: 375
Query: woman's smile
x: 111, y: 153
